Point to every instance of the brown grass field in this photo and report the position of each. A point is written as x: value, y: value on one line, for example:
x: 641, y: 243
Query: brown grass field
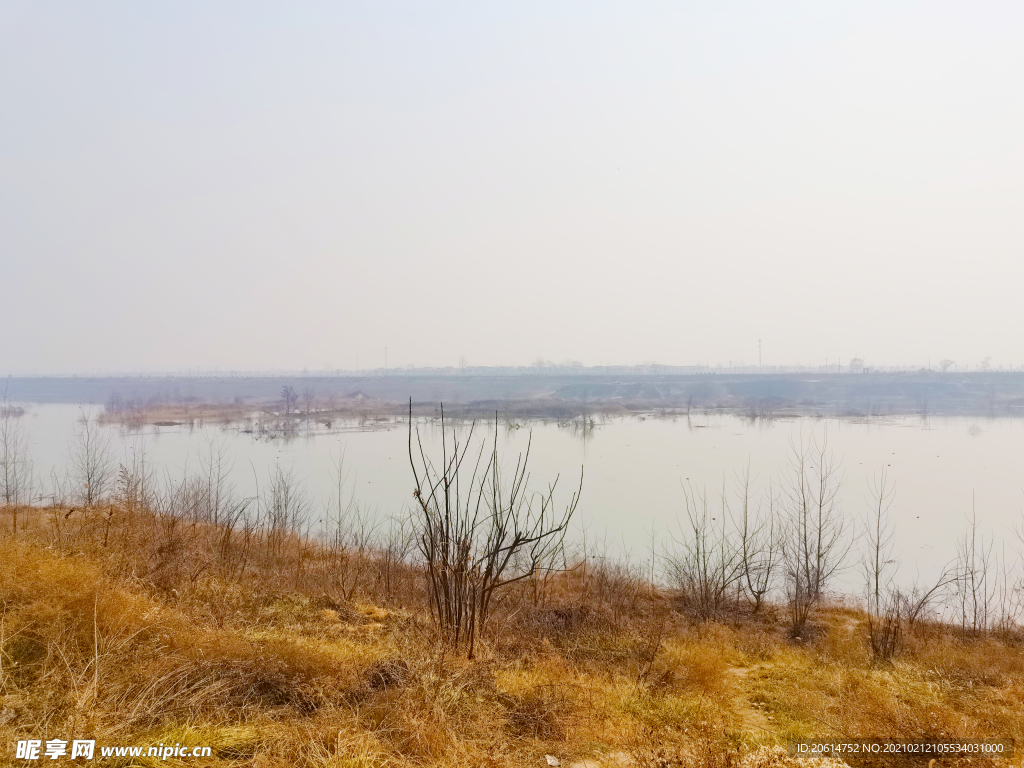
x: 135, y: 629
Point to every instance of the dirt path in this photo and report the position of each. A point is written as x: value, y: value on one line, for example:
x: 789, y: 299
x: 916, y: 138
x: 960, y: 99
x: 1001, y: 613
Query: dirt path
x: 749, y: 715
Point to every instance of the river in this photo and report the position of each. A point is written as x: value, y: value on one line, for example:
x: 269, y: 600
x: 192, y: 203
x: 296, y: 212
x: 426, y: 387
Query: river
x: 634, y: 468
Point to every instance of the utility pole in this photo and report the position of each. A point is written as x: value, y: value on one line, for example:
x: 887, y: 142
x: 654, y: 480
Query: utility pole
x: 758, y: 355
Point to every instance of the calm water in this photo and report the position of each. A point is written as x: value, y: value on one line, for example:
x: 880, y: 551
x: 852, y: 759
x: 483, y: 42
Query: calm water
x: 634, y: 469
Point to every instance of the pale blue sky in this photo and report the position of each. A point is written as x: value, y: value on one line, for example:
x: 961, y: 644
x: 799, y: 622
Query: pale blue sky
x: 190, y: 185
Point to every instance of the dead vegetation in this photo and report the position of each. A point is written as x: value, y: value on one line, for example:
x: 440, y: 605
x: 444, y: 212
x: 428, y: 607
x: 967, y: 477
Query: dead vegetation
x: 125, y: 628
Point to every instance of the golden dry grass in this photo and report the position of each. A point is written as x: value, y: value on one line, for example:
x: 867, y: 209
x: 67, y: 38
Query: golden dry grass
x: 153, y: 639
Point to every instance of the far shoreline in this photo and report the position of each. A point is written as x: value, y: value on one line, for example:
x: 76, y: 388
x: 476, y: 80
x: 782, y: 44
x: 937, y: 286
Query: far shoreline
x: 560, y: 396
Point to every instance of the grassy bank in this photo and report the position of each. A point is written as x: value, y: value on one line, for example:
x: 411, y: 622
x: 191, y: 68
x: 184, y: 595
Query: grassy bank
x: 134, y: 628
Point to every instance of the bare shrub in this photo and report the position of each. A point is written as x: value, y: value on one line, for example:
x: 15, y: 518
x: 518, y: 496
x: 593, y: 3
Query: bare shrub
x: 479, y: 529
x: 608, y: 579
x: 918, y: 600
x: 286, y: 509
x: 290, y: 397
x: 16, y: 472
x: 885, y: 626
x: 349, y: 534
x: 816, y: 539
x: 218, y: 503
x: 707, y: 564
x: 91, y: 461
x: 393, y: 573
x: 387, y: 673
x: 884, y: 602
x: 892, y: 611
x: 539, y: 714
x: 760, y: 549
x: 975, y: 586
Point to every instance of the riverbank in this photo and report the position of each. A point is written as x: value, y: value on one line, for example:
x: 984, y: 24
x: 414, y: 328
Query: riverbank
x: 130, y: 627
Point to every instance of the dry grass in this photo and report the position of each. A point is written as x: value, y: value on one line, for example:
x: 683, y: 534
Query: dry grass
x: 161, y: 636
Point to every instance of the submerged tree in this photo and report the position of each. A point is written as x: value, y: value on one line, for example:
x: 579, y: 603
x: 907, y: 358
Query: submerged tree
x: 290, y: 397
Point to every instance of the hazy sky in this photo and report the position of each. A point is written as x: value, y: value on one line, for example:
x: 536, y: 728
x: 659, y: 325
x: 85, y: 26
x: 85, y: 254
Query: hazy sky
x: 244, y: 185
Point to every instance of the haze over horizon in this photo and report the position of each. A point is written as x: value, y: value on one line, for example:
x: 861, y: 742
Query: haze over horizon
x: 240, y: 186
x: 554, y: 368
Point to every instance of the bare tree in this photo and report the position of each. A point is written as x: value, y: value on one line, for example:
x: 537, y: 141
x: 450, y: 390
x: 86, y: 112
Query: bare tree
x: 91, y: 460
x: 885, y: 601
x: 290, y: 398
x: 479, y: 529
x: 917, y: 599
x: 759, y: 543
x: 976, y: 586
x: 878, y: 565
x: 16, y: 472
x: 816, y: 541
x: 707, y: 562
x: 893, y: 611
x: 115, y: 403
